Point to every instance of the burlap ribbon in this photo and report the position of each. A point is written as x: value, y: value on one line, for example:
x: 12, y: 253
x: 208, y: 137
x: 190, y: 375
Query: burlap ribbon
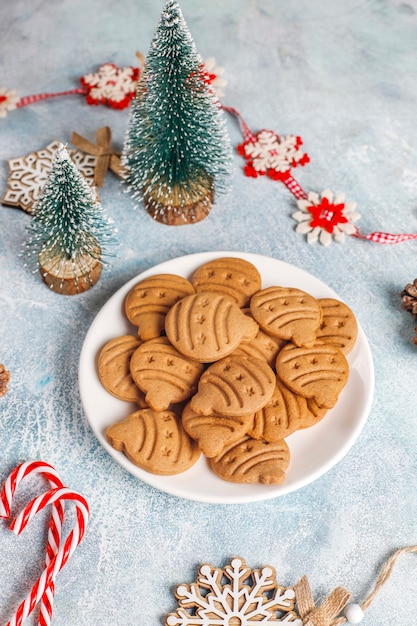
x: 324, y: 614
x: 106, y: 157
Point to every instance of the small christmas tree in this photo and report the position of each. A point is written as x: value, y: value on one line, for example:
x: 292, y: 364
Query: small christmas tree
x: 177, y: 152
x: 69, y: 229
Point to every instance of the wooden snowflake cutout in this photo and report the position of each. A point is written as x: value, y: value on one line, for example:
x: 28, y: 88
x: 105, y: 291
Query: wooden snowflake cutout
x: 267, y: 153
x: 234, y: 596
x: 28, y: 175
x: 111, y: 85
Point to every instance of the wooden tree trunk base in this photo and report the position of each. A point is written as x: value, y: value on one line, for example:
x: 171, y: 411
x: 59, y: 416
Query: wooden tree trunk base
x: 172, y: 215
x: 67, y: 278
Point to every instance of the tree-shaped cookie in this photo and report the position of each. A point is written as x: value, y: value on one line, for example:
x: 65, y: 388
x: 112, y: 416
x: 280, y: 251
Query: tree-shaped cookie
x: 176, y: 152
x: 69, y: 230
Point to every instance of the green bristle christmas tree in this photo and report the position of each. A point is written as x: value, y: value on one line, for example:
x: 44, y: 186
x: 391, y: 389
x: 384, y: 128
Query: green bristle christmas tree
x: 69, y: 230
x: 177, y: 153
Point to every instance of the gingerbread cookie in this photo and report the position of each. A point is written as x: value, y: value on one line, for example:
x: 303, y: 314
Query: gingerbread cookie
x: 234, y: 386
x: 165, y: 375
x: 154, y: 441
x: 213, y: 432
x: 114, y: 369
x: 148, y: 302
x: 207, y: 326
x: 281, y: 416
x: 319, y: 372
x: 313, y: 415
x: 262, y: 346
x: 339, y: 326
x: 235, y: 277
x: 252, y: 461
x: 288, y: 313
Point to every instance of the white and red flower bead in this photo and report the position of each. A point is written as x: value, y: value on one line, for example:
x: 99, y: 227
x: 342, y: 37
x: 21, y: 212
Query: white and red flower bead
x: 326, y: 216
x: 8, y: 100
x: 214, y: 75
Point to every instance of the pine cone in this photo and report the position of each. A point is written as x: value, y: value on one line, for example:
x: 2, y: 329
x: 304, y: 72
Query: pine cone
x: 4, y: 379
x: 409, y: 297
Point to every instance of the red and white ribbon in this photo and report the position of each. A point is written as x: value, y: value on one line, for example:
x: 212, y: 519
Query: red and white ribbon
x: 387, y: 238
x: 56, y: 555
x: 27, y: 100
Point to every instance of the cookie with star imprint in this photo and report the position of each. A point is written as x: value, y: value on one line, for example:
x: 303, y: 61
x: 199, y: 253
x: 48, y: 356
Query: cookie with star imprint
x: 235, y: 277
x: 288, y: 313
x: 339, y: 325
x: 318, y: 372
x: 114, y: 369
x: 234, y: 386
x: 155, y: 441
x: 213, y: 432
x: 208, y: 326
x: 282, y: 415
x: 148, y: 302
x: 165, y: 375
x: 252, y: 461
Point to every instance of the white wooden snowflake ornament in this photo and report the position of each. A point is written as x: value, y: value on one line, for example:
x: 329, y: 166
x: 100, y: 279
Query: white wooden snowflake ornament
x: 234, y: 596
x: 28, y: 175
x: 325, y: 217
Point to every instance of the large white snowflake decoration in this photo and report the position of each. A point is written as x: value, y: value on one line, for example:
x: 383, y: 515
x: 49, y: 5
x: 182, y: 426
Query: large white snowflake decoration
x: 111, y: 85
x: 267, y: 153
x: 28, y: 175
x: 234, y: 596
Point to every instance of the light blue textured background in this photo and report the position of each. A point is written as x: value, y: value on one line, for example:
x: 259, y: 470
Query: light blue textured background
x: 340, y: 73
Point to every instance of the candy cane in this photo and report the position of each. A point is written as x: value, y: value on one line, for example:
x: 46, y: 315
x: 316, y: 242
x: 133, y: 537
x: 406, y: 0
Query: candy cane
x: 55, y: 524
x: 61, y: 557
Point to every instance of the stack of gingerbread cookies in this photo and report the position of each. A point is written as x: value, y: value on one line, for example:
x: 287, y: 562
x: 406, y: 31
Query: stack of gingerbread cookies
x: 224, y: 368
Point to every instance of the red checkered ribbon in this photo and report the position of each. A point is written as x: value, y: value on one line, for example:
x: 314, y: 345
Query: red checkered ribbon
x: 26, y: 100
x: 244, y: 128
x: 386, y: 238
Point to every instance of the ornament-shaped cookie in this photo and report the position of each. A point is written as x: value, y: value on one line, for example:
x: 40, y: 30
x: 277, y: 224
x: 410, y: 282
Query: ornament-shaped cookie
x: 164, y: 374
x: 338, y: 326
x: 288, y: 313
x: 148, y: 302
x: 313, y: 415
x: 207, y: 326
x: 114, y: 369
x: 262, y: 346
x: 281, y: 416
x: 213, y: 432
x: 154, y: 441
x: 319, y: 372
x: 235, y: 277
x: 234, y: 386
x: 253, y: 461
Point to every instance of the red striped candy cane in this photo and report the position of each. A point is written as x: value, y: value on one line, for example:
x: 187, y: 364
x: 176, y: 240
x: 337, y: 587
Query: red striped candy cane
x: 61, y: 557
x: 55, y: 524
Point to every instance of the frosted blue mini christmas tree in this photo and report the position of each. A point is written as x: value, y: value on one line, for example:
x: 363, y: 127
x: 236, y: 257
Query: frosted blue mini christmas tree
x: 177, y: 153
x: 69, y: 231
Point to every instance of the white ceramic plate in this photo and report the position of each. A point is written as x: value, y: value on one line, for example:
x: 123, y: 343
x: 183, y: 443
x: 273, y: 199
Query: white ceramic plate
x: 314, y: 451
